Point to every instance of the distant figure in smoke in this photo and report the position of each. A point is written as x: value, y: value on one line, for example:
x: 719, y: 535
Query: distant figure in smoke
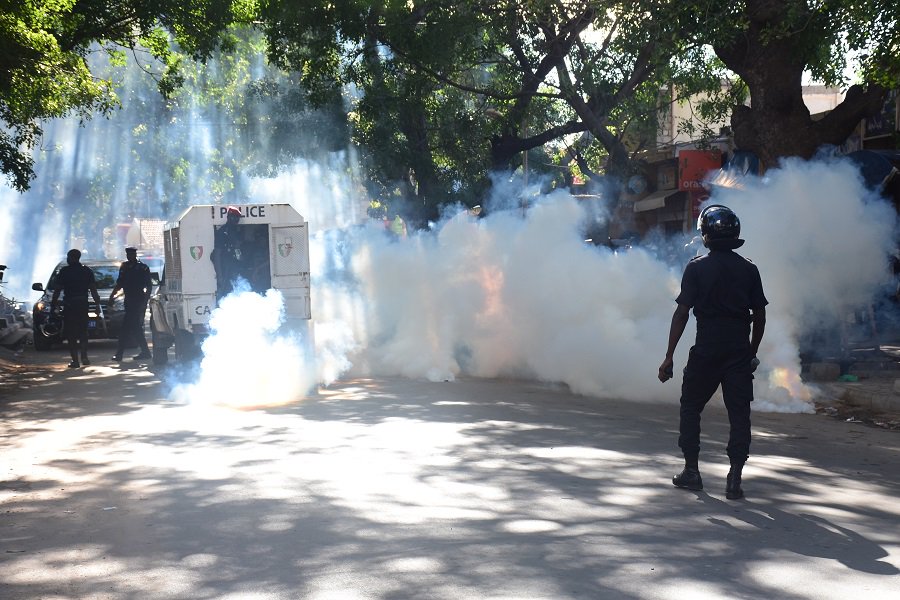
x: 226, y: 254
x: 75, y: 280
x: 726, y: 293
x: 134, y: 280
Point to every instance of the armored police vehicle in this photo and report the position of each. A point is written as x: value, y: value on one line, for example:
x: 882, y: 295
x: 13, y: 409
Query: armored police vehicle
x: 268, y: 247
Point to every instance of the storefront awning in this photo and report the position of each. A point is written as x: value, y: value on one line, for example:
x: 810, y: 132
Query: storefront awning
x: 653, y: 201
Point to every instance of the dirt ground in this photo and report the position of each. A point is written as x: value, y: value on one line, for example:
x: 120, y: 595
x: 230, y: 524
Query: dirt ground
x: 20, y: 370
x: 850, y: 413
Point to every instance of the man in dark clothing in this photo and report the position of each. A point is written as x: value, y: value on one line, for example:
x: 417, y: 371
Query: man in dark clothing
x: 134, y: 280
x: 75, y: 281
x: 726, y: 293
x: 226, y: 255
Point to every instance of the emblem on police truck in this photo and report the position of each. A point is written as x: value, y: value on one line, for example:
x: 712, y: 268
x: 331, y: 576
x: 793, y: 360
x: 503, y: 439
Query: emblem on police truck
x: 196, y: 252
x: 285, y: 248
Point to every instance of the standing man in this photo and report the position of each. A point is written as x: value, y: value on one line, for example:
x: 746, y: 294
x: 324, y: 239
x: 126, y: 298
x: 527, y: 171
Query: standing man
x: 75, y: 280
x: 226, y: 253
x: 134, y: 280
x: 726, y: 293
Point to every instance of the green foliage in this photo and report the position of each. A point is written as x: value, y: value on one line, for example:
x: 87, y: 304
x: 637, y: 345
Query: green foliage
x: 438, y: 93
x: 770, y: 45
x: 449, y: 91
x: 44, y: 47
x: 234, y: 116
x: 823, y: 36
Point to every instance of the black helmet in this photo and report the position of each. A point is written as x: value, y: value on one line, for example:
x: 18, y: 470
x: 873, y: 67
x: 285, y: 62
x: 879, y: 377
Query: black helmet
x: 719, y: 223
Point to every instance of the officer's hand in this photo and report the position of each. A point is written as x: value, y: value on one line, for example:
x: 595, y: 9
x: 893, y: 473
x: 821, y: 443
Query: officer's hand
x: 665, y: 370
x: 754, y: 362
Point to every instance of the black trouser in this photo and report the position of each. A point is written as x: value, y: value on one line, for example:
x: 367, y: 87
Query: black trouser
x: 132, y: 333
x: 75, y: 323
x: 708, y: 366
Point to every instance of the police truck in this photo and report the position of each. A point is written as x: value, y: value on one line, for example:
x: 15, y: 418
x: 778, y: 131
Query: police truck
x: 272, y: 252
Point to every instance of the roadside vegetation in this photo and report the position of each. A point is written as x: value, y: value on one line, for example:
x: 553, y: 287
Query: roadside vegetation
x: 437, y: 95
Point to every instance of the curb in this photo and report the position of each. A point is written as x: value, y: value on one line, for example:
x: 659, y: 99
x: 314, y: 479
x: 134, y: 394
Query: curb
x: 879, y: 395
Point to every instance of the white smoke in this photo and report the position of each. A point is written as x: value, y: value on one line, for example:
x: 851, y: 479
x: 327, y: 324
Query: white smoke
x: 523, y: 296
x: 318, y: 190
x: 821, y: 241
x: 30, y: 252
x: 510, y: 296
x: 246, y: 361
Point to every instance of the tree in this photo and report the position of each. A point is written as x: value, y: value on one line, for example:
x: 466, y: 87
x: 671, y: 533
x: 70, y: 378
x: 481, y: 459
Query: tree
x: 408, y: 123
x: 770, y: 43
x: 495, y: 78
x: 44, y: 47
x: 610, y: 60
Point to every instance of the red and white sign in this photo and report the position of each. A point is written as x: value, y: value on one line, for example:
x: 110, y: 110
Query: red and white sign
x: 693, y: 166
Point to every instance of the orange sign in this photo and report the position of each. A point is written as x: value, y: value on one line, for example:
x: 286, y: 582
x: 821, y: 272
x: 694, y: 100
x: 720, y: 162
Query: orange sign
x: 693, y: 165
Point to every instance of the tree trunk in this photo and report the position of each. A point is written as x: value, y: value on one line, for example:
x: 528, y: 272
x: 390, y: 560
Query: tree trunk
x: 428, y: 192
x: 777, y: 123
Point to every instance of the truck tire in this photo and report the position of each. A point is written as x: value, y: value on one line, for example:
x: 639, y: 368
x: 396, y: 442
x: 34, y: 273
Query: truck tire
x: 184, y: 346
x: 160, y: 348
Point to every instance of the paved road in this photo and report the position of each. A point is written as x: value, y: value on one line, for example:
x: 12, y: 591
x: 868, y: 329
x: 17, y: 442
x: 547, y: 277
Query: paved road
x: 395, y: 489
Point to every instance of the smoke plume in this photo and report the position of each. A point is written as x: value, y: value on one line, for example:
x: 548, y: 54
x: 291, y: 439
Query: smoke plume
x: 515, y: 295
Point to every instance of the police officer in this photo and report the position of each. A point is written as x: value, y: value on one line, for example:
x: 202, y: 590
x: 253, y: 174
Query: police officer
x: 726, y: 293
x: 75, y: 280
x: 134, y: 280
x: 227, y: 253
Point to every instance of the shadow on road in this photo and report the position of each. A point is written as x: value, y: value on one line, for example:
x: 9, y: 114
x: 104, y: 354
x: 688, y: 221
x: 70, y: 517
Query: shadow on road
x: 409, y: 489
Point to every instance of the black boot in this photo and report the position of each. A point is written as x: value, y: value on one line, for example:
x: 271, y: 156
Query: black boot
x: 733, y: 489
x: 688, y: 479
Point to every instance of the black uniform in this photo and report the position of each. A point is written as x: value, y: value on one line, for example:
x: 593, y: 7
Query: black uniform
x: 75, y: 281
x: 722, y: 287
x: 134, y: 279
x: 227, y: 257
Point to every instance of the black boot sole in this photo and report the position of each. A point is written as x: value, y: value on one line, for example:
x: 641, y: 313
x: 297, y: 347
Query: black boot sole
x: 692, y: 486
x: 696, y: 485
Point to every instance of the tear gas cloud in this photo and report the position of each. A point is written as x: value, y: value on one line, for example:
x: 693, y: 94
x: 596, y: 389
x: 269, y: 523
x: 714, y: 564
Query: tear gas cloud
x: 514, y: 296
x: 509, y: 295
x: 247, y: 360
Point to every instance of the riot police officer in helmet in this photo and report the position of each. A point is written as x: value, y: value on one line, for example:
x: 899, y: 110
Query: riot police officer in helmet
x: 726, y: 294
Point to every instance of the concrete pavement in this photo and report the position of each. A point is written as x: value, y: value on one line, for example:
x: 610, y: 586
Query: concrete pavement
x: 394, y: 489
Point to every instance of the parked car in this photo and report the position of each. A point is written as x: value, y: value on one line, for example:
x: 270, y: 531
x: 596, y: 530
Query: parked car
x: 49, y: 329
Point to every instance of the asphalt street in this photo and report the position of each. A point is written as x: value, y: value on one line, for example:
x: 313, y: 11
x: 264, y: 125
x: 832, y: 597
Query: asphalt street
x: 395, y: 489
